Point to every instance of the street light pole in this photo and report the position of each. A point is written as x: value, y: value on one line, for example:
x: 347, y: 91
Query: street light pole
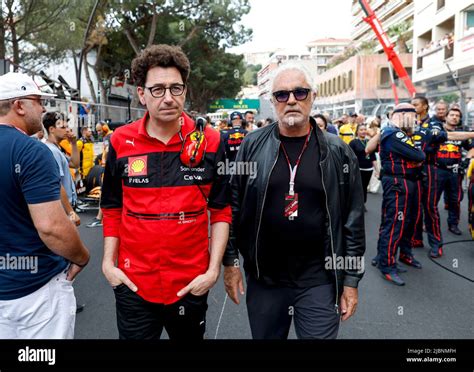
x: 463, y: 95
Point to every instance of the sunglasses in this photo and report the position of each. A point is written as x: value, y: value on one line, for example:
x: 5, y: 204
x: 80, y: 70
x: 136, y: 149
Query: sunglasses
x: 300, y: 94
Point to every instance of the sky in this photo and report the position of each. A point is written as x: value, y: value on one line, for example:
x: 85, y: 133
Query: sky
x: 293, y: 23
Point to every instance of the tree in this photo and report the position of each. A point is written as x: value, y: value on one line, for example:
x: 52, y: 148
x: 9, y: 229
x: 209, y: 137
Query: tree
x: 365, y: 48
x: 250, y: 74
x: 402, y: 34
x: 2, y: 33
x: 25, y: 20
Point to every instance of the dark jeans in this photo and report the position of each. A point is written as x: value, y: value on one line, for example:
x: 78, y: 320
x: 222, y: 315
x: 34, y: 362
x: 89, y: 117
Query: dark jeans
x: 271, y: 309
x: 365, y: 175
x: 138, y: 319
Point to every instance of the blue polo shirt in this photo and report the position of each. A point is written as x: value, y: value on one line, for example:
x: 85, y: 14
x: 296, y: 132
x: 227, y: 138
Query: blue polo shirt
x: 28, y: 175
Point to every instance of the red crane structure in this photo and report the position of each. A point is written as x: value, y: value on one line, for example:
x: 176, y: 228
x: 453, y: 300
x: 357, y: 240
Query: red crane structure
x: 388, y: 47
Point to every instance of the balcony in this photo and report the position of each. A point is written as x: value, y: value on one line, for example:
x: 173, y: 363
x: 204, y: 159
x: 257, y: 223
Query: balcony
x: 436, y: 53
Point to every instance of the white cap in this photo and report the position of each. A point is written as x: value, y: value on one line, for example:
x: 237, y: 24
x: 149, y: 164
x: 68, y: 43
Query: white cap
x: 16, y: 85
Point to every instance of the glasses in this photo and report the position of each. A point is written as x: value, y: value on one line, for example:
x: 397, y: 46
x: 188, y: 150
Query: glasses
x: 159, y: 91
x: 300, y: 94
x: 41, y: 101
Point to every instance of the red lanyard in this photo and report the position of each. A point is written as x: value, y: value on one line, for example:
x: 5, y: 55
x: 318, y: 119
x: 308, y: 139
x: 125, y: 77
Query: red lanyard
x: 10, y: 125
x: 295, y: 168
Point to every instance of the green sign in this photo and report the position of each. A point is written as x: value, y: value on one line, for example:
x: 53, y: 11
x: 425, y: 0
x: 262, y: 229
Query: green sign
x: 234, y: 104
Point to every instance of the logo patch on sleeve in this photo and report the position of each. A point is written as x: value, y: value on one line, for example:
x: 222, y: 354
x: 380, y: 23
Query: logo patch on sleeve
x: 137, y: 166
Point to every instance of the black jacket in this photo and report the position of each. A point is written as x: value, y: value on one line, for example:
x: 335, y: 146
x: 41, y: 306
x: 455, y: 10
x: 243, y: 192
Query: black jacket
x: 344, y: 201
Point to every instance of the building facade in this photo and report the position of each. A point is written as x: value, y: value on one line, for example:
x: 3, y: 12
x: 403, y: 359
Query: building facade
x: 390, y: 13
x: 362, y: 84
x: 322, y: 50
x: 444, y: 41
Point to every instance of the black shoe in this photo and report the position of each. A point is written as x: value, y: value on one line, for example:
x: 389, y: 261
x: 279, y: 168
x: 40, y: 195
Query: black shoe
x: 80, y: 308
x: 374, y: 261
x: 410, y: 261
x: 454, y: 229
x: 394, y: 278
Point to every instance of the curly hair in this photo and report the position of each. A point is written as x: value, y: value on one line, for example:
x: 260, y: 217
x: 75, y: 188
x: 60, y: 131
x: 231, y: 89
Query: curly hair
x: 160, y: 55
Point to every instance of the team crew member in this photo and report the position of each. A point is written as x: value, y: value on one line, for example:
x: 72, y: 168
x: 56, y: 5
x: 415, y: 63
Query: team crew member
x: 347, y: 132
x: 401, y: 168
x: 85, y: 145
x: 233, y: 137
x: 441, y: 111
x: 470, y: 176
x: 160, y: 182
x: 451, y: 171
x: 37, y: 240
x: 429, y: 135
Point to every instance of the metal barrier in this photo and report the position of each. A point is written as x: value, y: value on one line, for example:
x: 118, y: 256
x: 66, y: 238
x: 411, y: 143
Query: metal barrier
x: 97, y: 112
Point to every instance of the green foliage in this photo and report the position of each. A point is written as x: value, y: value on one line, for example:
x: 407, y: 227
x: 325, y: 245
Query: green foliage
x: 450, y: 98
x: 121, y: 29
x: 250, y: 74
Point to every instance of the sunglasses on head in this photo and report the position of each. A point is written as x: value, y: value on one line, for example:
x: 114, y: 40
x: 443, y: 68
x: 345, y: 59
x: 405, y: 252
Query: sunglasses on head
x: 300, y: 94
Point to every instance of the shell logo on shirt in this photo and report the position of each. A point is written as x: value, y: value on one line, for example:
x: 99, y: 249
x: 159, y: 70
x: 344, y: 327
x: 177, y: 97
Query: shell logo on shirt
x: 137, y: 166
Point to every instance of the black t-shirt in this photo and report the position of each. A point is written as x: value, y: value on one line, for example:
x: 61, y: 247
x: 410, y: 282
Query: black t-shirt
x: 291, y: 253
x: 365, y: 161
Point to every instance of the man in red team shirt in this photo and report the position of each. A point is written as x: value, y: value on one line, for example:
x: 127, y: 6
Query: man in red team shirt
x: 157, y: 208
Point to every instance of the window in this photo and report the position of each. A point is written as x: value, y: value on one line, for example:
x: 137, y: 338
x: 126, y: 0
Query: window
x: 440, y: 4
x: 470, y: 19
x: 384, y: 78
x: 350, y: 83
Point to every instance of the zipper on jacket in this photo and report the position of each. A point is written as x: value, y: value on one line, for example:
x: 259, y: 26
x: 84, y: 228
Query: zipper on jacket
x: 336, y: 306
x: 261, y: 210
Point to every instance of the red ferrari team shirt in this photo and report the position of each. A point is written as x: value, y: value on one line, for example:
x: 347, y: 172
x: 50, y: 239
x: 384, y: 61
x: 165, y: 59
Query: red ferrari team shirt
x: 157, y: 207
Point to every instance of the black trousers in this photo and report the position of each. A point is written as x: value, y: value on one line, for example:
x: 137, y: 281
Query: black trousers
x: 271, y: 309
x: 138, y: 319
x: 366, y: 176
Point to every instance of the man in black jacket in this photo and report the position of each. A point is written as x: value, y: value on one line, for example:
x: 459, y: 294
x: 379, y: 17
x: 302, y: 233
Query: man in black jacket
x: 298, y: 223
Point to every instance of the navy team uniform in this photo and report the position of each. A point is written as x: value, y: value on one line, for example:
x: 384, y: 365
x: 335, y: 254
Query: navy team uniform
x: 428, y: 136
x: 450, y: 176
x: 401, y: 168
x: 232, y: 139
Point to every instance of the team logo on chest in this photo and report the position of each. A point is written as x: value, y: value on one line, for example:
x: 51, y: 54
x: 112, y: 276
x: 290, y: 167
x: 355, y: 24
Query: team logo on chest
x: 138, y: 166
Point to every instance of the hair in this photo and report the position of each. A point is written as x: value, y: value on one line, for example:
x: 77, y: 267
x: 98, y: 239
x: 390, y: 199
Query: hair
x: 423, y: 99
x: 358, y: 127
x: 248, y: 112
x: 441, y: 102
x: 161, y: 55
x: 50, y: 119
x: 292, y: 66
x: 5, y: 107
x: 454, y: 109
x: 323, y: 118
